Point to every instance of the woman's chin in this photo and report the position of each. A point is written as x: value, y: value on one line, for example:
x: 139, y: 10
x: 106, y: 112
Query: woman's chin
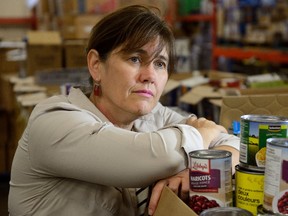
x: 144, y: 109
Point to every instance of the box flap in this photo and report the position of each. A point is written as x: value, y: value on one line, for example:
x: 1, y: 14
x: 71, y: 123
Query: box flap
x: 170, y: 86
x: 170, y: 205
x: 195, y: 95
x: 44, y: 38
x: 216, y: 75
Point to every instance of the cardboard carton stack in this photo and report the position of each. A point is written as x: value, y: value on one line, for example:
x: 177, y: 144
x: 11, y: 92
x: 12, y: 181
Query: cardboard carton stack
x: 44, y: 51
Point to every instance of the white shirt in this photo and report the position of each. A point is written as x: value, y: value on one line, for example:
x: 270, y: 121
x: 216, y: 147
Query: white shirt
x: 72, y: 161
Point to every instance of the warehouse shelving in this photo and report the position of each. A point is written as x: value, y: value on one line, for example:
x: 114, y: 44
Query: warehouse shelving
x: 30, y: 21
x: 211, y: 18
x: 238, y: 53
x: 269, y: 55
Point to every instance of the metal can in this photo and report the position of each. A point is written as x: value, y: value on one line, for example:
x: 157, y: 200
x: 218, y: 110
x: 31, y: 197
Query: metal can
x: 255, y: 130
x: 276, y: 176
x: 261, y: 211
x: 249, y: 189
x: 224, y: 211
x: 210, y: 179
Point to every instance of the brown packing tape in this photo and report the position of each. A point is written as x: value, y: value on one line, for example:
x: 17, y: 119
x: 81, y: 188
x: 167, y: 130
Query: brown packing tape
x: 170, y: 205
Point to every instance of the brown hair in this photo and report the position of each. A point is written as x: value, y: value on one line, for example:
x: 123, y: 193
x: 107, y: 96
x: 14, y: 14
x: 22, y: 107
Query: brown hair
x: 131, y: 28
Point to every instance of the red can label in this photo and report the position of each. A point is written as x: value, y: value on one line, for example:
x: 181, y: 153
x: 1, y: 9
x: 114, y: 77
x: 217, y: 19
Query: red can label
x: 203, y: 178
x: 210, y: 180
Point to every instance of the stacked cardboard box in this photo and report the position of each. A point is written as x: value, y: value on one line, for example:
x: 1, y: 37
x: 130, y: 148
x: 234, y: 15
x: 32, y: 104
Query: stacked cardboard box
x: 44, y: 51
x: 74, y: 19
x: 74, y: 53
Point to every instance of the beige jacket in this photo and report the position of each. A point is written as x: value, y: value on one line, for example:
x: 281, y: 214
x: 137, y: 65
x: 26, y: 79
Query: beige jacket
x: 72, y: 161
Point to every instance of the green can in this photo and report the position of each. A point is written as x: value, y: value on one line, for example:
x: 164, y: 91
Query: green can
x: 255, y: 130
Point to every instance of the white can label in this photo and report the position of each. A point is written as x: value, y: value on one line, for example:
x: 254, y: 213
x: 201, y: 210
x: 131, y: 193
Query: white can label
x: 276, y: 180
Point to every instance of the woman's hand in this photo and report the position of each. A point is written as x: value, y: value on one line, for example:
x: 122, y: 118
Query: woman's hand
x: 208, y: 129
x: 178, y: 183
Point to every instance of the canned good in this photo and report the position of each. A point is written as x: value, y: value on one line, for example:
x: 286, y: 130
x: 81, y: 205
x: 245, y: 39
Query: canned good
x: 224, y: 211
x: 255, y: 130
x: 261, y: 211
x: 249, y: 189
x: 210, y: 179
x: 276, y: 176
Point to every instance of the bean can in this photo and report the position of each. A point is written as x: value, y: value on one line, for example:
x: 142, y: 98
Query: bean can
x: 255, y: 130
x: 210, y: 179
x: 249, y: 189
x: 276, y: 176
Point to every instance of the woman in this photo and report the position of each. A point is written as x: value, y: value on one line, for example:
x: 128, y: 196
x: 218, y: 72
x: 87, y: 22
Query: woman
x: 87, y: 154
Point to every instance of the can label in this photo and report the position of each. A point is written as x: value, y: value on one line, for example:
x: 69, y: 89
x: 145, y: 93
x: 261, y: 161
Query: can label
x: 210, y: 180
x: 249, y: 189
x: 276, y: 176
x: 255, y: 130
x: 262, y: 211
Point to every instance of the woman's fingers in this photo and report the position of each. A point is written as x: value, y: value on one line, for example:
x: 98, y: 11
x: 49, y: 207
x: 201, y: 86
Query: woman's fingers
x: 178, y: 183
x: 155, y: 196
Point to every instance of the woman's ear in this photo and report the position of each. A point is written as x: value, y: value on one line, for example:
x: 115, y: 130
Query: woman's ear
x: 93, y: 63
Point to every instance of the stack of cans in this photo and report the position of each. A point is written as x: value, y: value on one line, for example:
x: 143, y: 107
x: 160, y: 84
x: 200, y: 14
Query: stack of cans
x: 255, y: 132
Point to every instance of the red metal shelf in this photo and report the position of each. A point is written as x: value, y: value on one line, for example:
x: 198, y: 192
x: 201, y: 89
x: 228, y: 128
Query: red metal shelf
x: 8, y: 21
x: 269, y: 55
x: 31, y: 21
x: 19, y: 21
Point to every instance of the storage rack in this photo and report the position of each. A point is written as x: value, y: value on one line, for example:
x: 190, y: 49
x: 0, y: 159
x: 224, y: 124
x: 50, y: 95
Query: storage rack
x: 237, y: 53
x: 30, y: 21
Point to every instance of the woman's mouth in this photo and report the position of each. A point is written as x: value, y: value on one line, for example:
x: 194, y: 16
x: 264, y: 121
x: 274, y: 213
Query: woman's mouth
x: 146, y: 93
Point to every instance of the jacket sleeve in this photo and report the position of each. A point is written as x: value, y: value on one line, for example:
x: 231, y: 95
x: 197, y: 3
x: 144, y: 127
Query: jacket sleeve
x: 169, y: 117
x: 75, y: 144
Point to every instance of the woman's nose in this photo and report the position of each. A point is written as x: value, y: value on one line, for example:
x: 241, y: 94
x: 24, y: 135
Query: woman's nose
x: 148, y: 73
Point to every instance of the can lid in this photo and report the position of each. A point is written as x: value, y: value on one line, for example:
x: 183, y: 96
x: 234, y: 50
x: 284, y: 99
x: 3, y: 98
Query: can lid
x: 210, y: 153
x: 223, y: 211
x: 282, y: 142
x: 244, y: 169
x: 265, y: 118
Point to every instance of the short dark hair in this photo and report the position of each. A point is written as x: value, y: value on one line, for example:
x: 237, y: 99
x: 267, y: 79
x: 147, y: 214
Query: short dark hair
x: 131, y: 28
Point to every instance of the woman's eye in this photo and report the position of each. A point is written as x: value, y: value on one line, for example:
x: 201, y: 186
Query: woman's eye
x: 135, y: 59
x: 160, y: 64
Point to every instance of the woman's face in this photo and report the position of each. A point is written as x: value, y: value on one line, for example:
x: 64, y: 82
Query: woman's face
x: 132, y: 83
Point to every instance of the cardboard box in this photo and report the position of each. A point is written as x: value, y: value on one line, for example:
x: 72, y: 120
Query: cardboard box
x: 74, y: 53
x: 212, y: 90
x: 100, y: 6
x: 44, y: 51
x: 66, y: 7
x: 226, y: 79
x: 84, y: 25
x: 198, y: 93
x: 170, y: 205
x: 259, y: 91
x: 73, y: 27
x: 7, y: 100
x: 66, y: 26
x: 3, y: 139
x: 233, y: 107
x: 161, y: 4
x: 7, y: 66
